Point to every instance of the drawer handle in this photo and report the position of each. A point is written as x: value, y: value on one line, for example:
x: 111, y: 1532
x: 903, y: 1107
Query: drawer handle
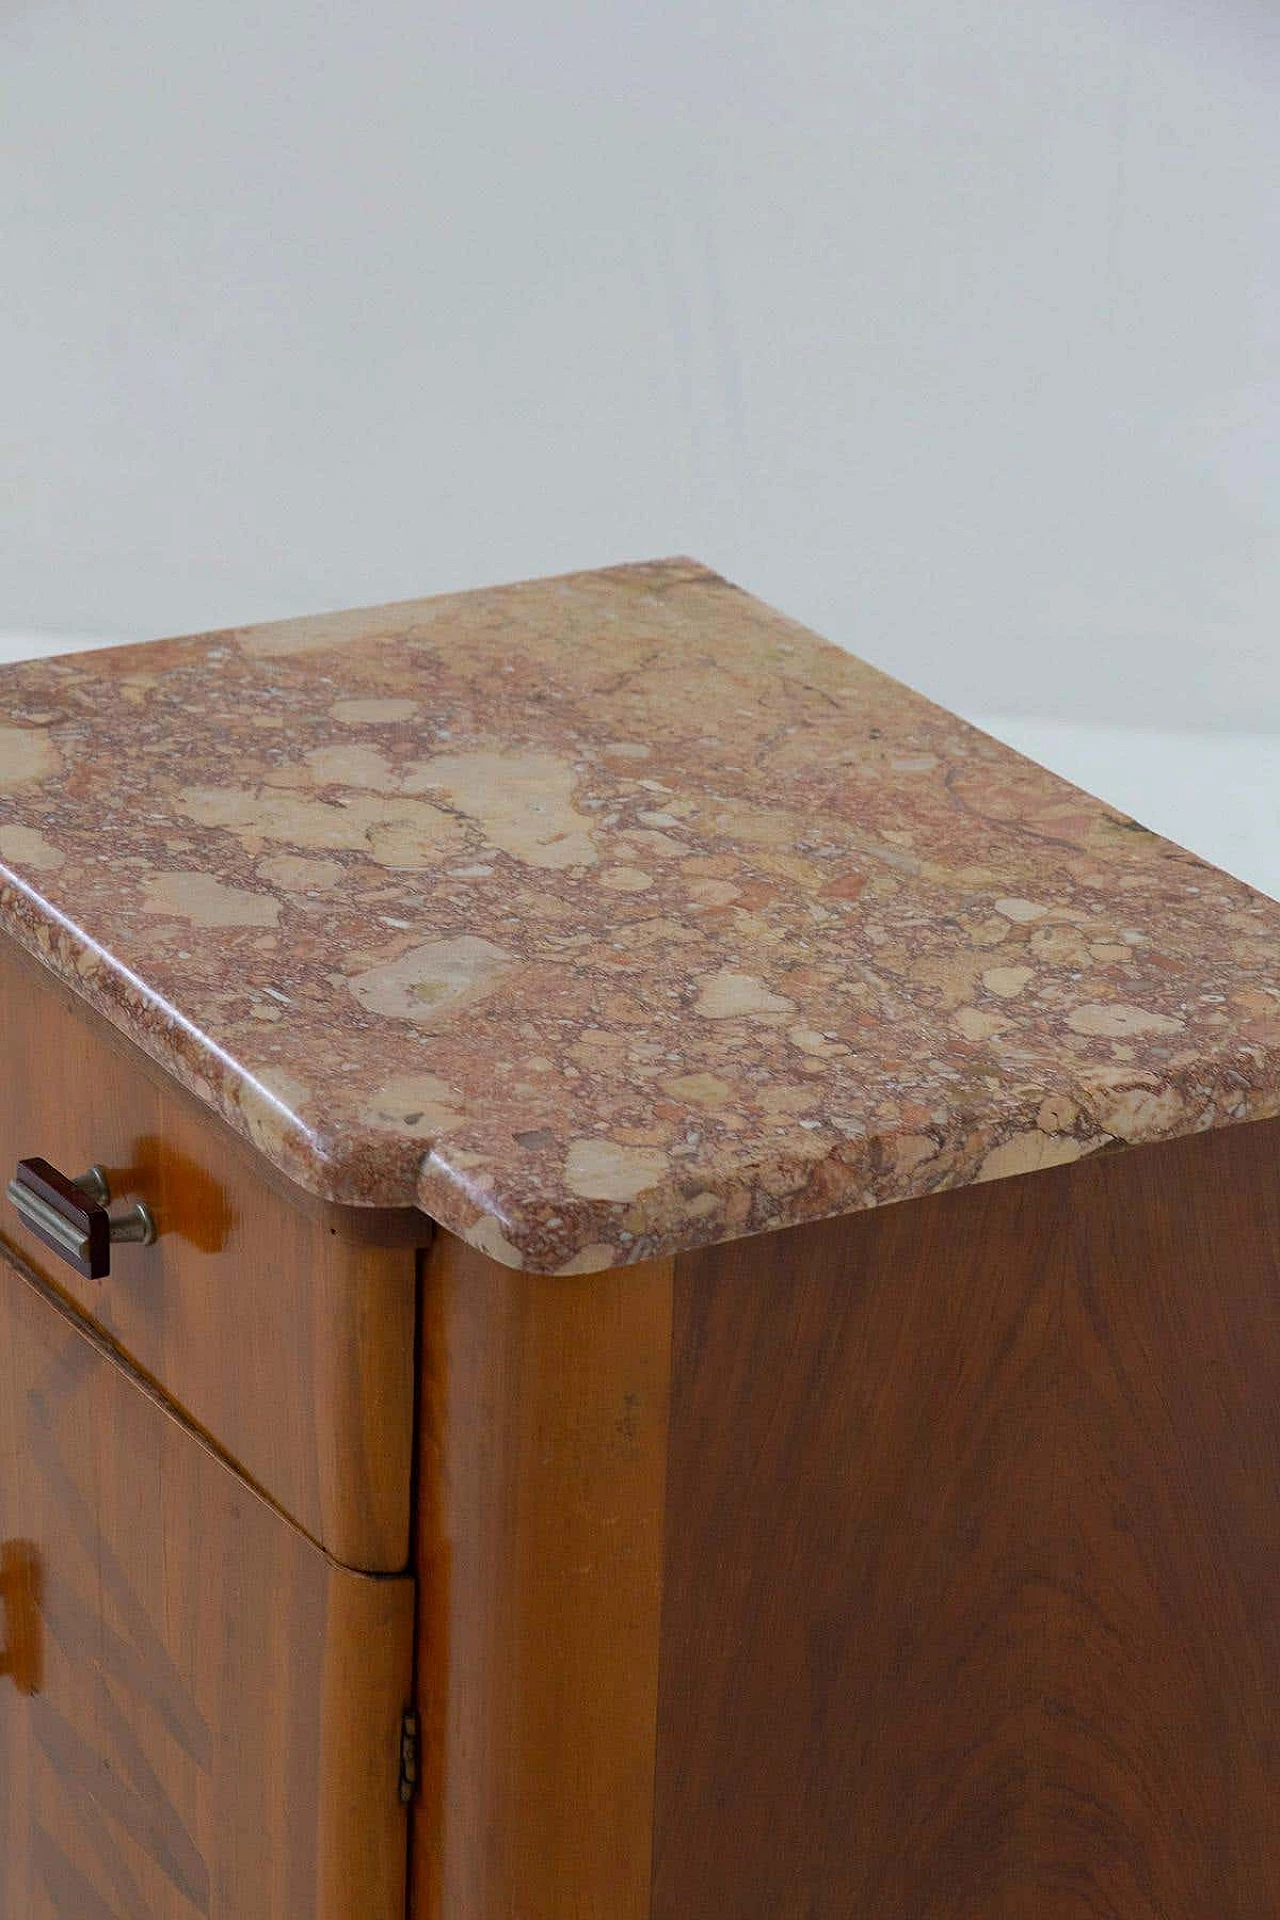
x: 71, y: 1215
x: 20, y: 1612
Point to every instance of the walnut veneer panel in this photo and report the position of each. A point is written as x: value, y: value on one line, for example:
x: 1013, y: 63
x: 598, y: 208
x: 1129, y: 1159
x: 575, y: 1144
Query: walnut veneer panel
x: 287, y: 1342
x: 972, y: 1580
x: 540, y: 1546
x: 613, y: 915
x: 217, y: 1727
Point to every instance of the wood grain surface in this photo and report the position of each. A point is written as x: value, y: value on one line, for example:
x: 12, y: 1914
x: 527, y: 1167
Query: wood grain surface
x: 272, y: 1329
x: 541, y: 1499
x: 21, y: 1635
x: 217, y: 1729
x: 972, y: 1577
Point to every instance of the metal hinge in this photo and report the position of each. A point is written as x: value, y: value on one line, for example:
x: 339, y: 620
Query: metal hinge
x: 408, y: 1756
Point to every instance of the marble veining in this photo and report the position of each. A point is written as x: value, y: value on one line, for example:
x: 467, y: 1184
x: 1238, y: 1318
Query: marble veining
x: 609, y: 915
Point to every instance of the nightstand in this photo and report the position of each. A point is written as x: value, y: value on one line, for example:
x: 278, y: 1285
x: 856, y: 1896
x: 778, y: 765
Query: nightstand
x: 641, y: 1278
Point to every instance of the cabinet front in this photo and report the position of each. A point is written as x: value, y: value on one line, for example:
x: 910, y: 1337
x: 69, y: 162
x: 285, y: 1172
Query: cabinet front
x: 200, y: 1712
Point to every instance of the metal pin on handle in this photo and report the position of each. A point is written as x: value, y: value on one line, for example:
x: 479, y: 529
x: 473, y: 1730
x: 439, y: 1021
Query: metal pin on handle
x: 138, y: 1225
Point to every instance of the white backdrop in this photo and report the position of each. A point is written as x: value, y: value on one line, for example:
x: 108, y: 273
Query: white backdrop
x: 952, y: 327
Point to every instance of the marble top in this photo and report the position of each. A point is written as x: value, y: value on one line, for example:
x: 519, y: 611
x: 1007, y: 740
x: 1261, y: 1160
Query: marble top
x: 609, y: 915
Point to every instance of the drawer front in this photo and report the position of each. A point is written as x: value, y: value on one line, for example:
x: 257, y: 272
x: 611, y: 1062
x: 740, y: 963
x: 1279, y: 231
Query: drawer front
x: 287, y: 1341
x: 204, y: 1714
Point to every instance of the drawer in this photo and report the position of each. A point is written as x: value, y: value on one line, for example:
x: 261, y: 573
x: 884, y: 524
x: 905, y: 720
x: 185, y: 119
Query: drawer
x: 202, y: 1711
x: 259, y: 1312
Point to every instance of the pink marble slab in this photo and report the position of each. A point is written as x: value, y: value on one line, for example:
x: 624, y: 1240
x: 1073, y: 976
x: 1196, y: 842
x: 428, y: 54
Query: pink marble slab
x: 608, y: 915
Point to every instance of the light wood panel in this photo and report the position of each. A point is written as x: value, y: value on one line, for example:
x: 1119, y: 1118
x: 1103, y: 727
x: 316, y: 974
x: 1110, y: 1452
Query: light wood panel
x: 217, y: 1728
x: 540, y: 1542
x: 972, y: 1579
x: 288, y: 1341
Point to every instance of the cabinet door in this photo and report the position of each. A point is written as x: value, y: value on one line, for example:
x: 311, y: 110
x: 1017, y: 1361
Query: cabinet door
x: 215, y: 1725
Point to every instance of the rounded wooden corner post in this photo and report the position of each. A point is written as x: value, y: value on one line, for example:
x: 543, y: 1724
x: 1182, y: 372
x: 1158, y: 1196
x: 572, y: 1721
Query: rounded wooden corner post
x: 542, y: 1482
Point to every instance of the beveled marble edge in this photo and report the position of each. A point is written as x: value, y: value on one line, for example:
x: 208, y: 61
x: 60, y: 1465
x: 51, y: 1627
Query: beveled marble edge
x: 1021, y: 1144
x: 194, y: 1059
x: 358, y: 1174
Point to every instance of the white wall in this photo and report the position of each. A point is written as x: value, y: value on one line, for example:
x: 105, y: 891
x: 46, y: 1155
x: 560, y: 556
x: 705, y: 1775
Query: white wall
x: 952, y: 326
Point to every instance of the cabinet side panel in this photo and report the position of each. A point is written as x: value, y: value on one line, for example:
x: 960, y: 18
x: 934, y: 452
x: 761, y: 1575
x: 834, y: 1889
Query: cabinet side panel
x: 541, y: 1500
x: 973, y: 1537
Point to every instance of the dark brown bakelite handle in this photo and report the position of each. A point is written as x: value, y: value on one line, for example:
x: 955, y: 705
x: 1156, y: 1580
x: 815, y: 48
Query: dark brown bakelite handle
x: 20, y: 1615
x: 71, y: 1215
x: 64, y: 1215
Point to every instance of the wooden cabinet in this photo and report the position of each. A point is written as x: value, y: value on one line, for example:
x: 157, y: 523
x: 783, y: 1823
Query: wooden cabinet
x: 918, y: 1561
x: 215, y: 1724
x: 711, y: 1347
